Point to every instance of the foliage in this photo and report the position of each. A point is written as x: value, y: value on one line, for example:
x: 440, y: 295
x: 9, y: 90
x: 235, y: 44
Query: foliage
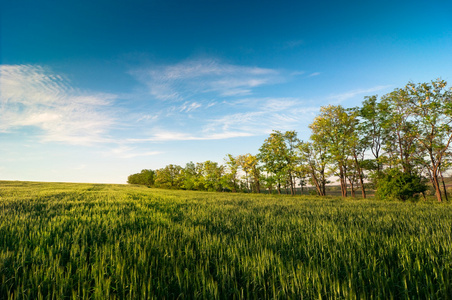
x: 145, y: 177
x: 169, y: 177
x: 334, y: 128
x: 85, y: 241
x: 395, y: 184
x: 280, y: 157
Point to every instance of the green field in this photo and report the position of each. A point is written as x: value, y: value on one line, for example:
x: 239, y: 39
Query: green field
x: 85, y: 241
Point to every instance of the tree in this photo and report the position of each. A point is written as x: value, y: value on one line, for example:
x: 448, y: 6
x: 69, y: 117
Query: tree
x: 430, y: 105
x: 358, y: 146
x: 334, y: 129
x: 232, y: 165
x: 212, y: 173
x: 189, y: 177
x: 373, y: 117
x: 279, y: 155
x: 145, y: 177
x: 249, y: 164
x: 314, y: 154
x: 169, y: 177
x: 269, y: 155
x: 400, y: 137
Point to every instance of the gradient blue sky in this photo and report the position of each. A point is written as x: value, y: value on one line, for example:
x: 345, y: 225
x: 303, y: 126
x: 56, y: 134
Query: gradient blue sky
x: 92, y: 91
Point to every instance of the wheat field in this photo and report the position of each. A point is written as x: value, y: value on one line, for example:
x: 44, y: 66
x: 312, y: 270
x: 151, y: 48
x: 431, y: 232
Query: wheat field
x: 88, y: 241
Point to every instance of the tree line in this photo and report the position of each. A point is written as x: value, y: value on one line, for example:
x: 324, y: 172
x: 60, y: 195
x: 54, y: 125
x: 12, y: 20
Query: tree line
x: 395, y: 143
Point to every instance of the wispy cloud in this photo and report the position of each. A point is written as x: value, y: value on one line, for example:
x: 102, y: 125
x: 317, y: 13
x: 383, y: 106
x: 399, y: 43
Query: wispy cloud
x: 33, y: 96
x: 256, y: 116
x: 130, y: 152
x: 354, y: 93
x: 272, y: 114
x: 314, y: 74
x: 188, y: 107
x: 204, y: 78
x: 164, y: 136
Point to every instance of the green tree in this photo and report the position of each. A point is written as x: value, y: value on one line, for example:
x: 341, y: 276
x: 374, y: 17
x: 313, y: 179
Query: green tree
x: 212, y: 173
x: 400, y: 138
x: 280, y: 157
x: 315, y: 156
x: 250, y: 164
x: 145, y: 177
x: 374, y: 116
x: 169, y: 177
x: 430, y: 105
x: 232, y: 166
x: 189, y: 177
x: 359, y: 143
x: 334, y: 129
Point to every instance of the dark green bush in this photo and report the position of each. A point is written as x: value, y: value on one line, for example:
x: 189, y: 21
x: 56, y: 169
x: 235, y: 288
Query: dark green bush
x: 395, y: 184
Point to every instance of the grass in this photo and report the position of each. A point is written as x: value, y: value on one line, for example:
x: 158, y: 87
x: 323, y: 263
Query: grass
x: 85, y: 241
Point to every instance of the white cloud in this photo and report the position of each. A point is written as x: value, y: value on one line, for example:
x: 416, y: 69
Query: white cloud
x: 354, y: 93
x: 188, y: 107
x: 147, y: 117
x: 33, y: 96
x: 259, y: 116
x: 200, y: 77
x: 130, y: 152
x: 314, y: 74
x: 268, y: 114
x: 163, y: 136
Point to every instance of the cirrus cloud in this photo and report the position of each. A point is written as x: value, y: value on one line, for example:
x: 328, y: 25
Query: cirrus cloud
x: 34, y: 96
x: 204, y: 78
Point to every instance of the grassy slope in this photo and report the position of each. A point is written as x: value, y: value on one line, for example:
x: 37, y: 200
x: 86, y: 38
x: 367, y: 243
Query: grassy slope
x: 110, y: 241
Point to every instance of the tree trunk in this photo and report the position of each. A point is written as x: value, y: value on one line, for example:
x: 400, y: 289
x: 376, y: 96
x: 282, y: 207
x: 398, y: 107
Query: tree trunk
x: 352, y: 188
x: 444, y: 186
x: 343, y: 181
x: 436, y: 185
x: 360, y: 174
x: 292, y: 192
x: 316, y: 183
x: 258, y: 186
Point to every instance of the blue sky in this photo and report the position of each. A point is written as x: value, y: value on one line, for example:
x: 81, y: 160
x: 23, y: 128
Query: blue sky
x: 93, y: 91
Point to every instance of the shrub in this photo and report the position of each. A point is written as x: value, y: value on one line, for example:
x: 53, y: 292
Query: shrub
x: 395, y: 184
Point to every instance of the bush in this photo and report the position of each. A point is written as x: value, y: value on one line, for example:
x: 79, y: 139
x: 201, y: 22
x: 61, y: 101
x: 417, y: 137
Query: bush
x: 395, y: 184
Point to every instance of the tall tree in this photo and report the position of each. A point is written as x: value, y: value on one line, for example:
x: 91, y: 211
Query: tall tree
x: 400, y: 140
x: 250, y: 164
x: 430, y: 105
x: 373, y: 117
x: 232, y: 164
x: 212, y: 173
x: 334, y: 128
x: 269, y: 155
x: 279, y: 155
x: 315, y: 156
x: 169, y: 176
x: 189, y: 176
x: 358, y: 146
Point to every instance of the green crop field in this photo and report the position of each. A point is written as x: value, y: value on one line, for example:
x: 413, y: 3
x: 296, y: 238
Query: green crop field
x: 85, y: 241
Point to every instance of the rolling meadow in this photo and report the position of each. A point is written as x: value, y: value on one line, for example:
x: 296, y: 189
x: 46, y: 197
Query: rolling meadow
x: 87, y: 241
